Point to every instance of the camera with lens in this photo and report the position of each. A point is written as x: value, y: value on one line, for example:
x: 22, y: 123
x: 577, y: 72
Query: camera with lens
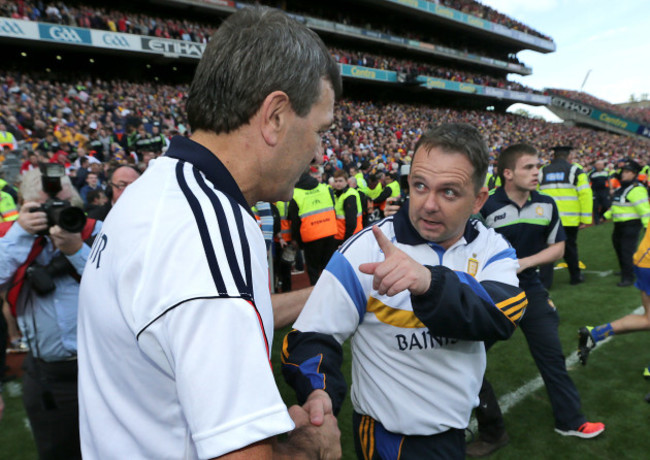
x: 59, y: 212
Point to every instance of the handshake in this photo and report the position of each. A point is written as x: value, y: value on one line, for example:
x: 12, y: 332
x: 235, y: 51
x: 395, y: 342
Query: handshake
x: 317, y: 434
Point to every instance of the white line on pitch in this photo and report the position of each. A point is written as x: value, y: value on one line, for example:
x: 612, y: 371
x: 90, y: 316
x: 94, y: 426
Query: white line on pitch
x: 509, y: 400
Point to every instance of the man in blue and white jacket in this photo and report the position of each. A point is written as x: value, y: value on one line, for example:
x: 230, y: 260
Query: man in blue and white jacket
x: 417, y: 294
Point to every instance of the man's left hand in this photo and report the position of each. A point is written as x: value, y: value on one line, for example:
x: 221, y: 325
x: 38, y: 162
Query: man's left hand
x: 398, y: 272
x: 68, y: 243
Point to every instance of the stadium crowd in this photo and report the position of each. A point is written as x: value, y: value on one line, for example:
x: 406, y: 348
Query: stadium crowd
x: 639, y: 114
x: 57, y: 117
x: 125, y: 21
x: 106, y: 19
x: 117, y: 21
x: 414, y: 69
x: 492, y: 15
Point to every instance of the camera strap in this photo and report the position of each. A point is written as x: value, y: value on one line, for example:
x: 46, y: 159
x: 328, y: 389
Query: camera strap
x: 37, y: 248
x: 19, y: 277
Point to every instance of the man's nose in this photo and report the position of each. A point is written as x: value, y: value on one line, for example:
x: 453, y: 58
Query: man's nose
x: 431, y: 203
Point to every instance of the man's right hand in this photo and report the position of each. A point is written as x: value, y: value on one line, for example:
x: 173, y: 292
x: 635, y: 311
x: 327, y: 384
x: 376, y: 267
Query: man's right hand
x: 397, y: 272
x: 32, y: 222
x: 310, y: 441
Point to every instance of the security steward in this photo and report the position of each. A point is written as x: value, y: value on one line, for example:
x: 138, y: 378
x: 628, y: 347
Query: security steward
x: 313, y: 223
x: 359, y: 176
x: 372, y: 191
x: 8, y: 209
x: 493, y: 180
x: 568, y: 184
x: 347, y: 206
x: 630, y: 212
x: 5, y: 187
x: 599, y: 180
x: 644, y: 174
x: 285, y: 252
x: 391, y: 189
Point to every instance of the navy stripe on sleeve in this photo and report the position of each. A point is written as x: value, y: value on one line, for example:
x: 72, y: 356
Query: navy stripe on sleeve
x: 245, y: 248
x: 226, y: 237
x: 203, y: 230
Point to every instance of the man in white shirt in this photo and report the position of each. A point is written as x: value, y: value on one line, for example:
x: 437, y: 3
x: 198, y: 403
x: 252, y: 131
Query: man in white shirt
x: 176, y: 321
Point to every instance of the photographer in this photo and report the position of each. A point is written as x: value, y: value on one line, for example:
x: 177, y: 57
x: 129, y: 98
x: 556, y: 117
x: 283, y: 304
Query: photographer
x: 40, y: 266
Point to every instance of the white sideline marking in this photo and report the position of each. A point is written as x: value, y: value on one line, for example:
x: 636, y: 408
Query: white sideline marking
x: 601, y: 274
x: 14, y: 389
x: 509, y: 400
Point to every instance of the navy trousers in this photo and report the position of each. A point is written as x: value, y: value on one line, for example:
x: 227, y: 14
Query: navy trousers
x: 373, y: 442
x: 540, y: 326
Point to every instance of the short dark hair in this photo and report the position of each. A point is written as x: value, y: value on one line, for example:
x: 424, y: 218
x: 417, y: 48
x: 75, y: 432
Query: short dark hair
x: 256, y: 51
x: 508, y: 158
x: 459, y: 138
x: 92, y: 195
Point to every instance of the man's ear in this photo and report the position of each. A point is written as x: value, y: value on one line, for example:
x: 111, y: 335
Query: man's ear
x: 481, y: 198
x: 275, y: 113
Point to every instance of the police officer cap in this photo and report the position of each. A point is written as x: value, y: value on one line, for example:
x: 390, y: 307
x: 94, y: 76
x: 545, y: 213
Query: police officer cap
x: 632, y: 165
x: 562, y: 148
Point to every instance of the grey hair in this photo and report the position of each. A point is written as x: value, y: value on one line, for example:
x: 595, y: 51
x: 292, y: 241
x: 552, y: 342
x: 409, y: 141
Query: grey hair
x: 256, y: 51
x: 459, y: 138
x: 31, y: 186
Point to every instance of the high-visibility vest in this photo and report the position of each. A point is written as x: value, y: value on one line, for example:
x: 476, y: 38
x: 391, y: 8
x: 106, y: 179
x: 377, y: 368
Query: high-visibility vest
x: 614, y: 182
x: 394, y: 191
x: 8, y: 210
x: 492, y: 181
x: 643, y: 175
x: 285, y: 223
x: 6, y: 138
x: 569, y: 186
x: 374, y: 192
x: 361, y: 182
x: 340, y: 213
x: 630, y: 203
x: 316, y: 211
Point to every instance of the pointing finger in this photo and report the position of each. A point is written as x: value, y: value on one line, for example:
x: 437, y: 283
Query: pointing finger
x: 369, y: 267
x: 384, y: 243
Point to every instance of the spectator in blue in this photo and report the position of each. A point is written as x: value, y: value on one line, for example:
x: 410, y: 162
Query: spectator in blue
x: 92, y: 183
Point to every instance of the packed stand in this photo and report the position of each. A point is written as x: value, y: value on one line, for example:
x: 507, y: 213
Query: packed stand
x: 106, y: 19
x: 418, y: 68
x: 135, y: 23
x: 490, y: 14
x: 640, y: 114
x: 398, y: 29
x: 183, y: 30
x: 55, y: 118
